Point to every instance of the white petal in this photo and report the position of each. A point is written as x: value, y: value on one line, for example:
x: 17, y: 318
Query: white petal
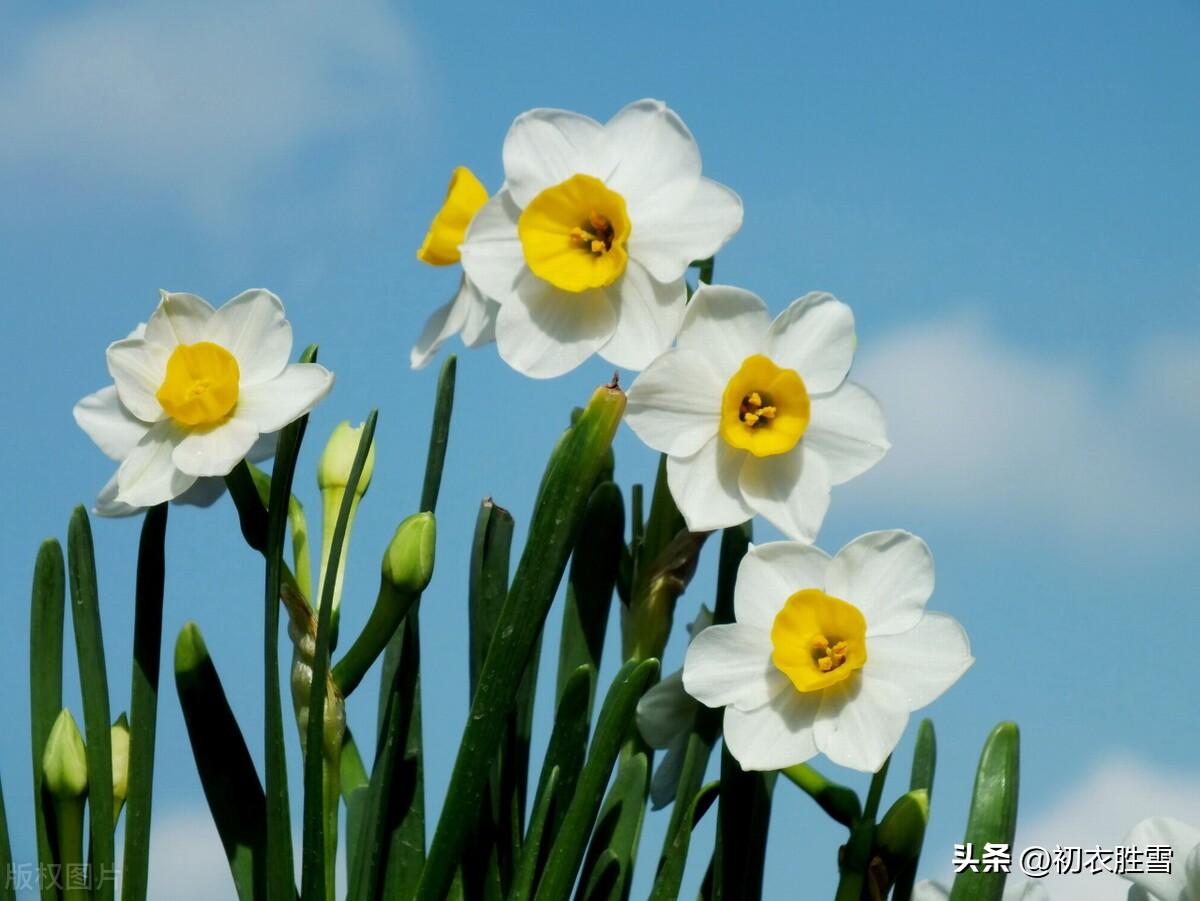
x: 285, y: 398
x: 492, y: 255
x: 148, y: 476
x: 860, y: 722
x: 927, y: 890
x: 654, y: 158
x: 771, y: 573
x: 705, y: 487
x: 264, y: 448
x: 1191, y: 870
x: 887, y: 575
x: 546, y: 146
x: 776, y: 735
x: 138, y: 368
x: 791, y: 491
x: 115, y: 430
x: 728, y: 324
x: 215, y: 451
x: 1182, y: 837
x: 815, y: 337
x: 253, y: 327
x: 731, y: 664
x: 479, y: 318
x: 204, y: 492
x: 665, y: 711
x: 544, y: 332
x: 447, y: 320
x: 665, y: 784
x: 666, y: 239
x: 922, y: 662
x: 674, y: 406
x: 848, y: 430
x: 648, y: 317
x: 107, y: 503
x: 178, y: 319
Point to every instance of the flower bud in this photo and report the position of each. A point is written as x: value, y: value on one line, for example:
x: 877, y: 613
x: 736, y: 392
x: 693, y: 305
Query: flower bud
x: 901, y: 832
x: 408, y: 561
x: 333, y: 471
x: 64, y: 760
x: 120, y: 762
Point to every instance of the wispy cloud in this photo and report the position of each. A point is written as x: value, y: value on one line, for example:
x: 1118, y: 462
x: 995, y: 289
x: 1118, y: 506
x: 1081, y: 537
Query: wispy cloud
x: 200, y: 103
x: 980, y: 427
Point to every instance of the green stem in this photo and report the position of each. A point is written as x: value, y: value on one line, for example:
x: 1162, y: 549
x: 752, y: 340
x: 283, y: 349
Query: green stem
x: 858, y: 849
x: 330, y: 798
x: 68, y: 819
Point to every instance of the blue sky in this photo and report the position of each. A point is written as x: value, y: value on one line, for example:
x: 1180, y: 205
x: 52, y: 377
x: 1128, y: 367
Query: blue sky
x: 1009, y: 198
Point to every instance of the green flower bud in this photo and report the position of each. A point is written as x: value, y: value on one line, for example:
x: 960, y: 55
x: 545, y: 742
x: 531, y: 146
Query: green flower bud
x: 333, y: 475
x: 120, y: 760
x: 64, y: 760
x: 408, y: 562
x: 901, y: 832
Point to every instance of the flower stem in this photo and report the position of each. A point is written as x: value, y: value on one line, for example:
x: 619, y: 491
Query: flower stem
x: 68, y: 821
x: 858, y: 849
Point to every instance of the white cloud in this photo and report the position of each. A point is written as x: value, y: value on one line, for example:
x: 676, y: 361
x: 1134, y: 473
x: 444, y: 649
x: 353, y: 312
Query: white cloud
x: 982, y: 428
x: 197, y: 102
x: 1100, y: 809
x: 187, y: 861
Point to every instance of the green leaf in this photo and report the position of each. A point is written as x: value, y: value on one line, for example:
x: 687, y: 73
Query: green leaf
x: 316, y: 882
x: 532, y: 856
x: 611, y: 728
x: 706, y: 728
x: 674, y: 859
x: 45, y: 678
x: 604, y: 879
x: 923, y: 766
x: 280, y: 867
x: 7, y: 890
x: 593, y: 573
x: 143, y: 705
x: 619, y: 826
x: 93, y: 683
x: 993, y: 816
x: 439, y: 435
x: 565, y: 488
x: 488, y: 581
x: 231, y: 785
x: 743, y: 819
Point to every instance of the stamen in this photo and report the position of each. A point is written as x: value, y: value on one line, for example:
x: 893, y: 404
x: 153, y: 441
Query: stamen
x: 753, y: 412
x: 829, y: 657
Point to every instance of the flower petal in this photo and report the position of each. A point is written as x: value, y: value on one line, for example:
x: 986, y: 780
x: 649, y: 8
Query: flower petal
x: 284, y: 399
x: 138, y: 368
x: 648, y: 317
x: 446, y: 321
x: 253, y: 327
x: 731, y: 664
x: 776, y: 735
x: 726, y: 323
x: 665, y: 784
x: 922, y: 662
x: 860, y: 722
x: 815, y: 337
x: 179, y: 319
x: 215, y: 451
x: 492, y: 255
x: 479, y: 319
x: 771, y: 573
x: 791, y: 491
x: 705, y: 487
x: 1182, y: 837
x: 654, y: 157
x: 674, y: 406
x: 887, y: 575
x: 666, y: 239
x: 115, y: 430
x: 665, y: 711
x: 107, y: 503
x: 205, y: 492
x: 544, y: 332
x: 546, y: 146
x: 848, y: 430
x: 148, y: 476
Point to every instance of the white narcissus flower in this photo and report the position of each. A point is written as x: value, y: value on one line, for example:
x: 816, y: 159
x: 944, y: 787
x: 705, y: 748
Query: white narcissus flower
x: 1023, y: 891
x: 1182, y: 883
x: 195, y: 393
x: 586, y: 245
x: 756, y: 416
x: 468, y: 314
x: 664, y: 717
x: 827, y: 655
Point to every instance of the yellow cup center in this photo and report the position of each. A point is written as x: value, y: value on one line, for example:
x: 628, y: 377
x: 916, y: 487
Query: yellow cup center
x: 201, y: 384
x: 464, y: 197
x: 574, y: 234
x: 818, y: 640
x: 765, y: 409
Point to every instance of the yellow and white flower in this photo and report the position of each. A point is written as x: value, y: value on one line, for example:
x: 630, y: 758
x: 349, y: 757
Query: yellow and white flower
x: 756, y: 416
x: 195, y: 393
x: 1182, y: 883
x: 586, y: 245
x: 827, y: 655
x: 468, y: 314
x: 664, y: 717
